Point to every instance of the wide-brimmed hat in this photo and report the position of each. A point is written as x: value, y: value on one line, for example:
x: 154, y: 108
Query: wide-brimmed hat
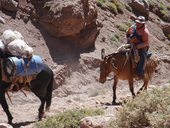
x: 140, y: 19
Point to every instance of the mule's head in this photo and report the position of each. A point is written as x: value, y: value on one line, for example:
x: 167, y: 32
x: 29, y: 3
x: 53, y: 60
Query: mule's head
x: 105, y: 67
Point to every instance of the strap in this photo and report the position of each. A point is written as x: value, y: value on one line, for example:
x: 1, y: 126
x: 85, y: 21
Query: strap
x: 135, y: 34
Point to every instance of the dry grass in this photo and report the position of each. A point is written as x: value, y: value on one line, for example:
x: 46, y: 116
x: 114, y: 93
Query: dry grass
x: 149, y: 109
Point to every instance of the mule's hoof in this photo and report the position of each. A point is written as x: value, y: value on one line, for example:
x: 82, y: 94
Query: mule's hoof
x: 115, y: 103
x: 41, y: 115
x: 138, y: 92
x: 47, y: 109
x: 10, y: 120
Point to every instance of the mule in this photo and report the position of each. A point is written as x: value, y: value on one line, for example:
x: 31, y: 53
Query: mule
x: 122, y: 67
x: 41, y: 86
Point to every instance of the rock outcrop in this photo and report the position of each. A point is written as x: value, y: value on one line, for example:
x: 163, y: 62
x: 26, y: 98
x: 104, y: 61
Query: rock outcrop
x: 73, y: 21
x: 9, y: 5
x: 140, y: 8
x: 166, y: 30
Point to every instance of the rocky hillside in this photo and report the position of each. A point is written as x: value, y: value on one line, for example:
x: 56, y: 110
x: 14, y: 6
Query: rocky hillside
x: 69, y: 36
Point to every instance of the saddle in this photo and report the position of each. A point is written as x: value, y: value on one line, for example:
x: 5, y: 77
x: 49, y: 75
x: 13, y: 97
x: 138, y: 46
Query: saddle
x: 132, y: 53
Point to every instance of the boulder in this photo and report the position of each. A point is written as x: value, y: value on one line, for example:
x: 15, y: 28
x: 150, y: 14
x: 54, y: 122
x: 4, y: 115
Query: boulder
x: 95, y: 122
x: 166, y: 30
x: 140, y: 7
x: 73, y: 20
x: 9, y: 5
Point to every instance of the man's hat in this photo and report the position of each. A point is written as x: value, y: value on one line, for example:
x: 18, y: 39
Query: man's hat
x: 140, y: 19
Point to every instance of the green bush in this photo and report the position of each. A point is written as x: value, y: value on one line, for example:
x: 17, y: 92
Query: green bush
x: 122, y: 27
x: 168, y: 36
x: 68, y: 119
x: 149, y: 109
x: 112, y: 8
x: 115, y: 38
x: 101, y: 3
x: 112, y: 5
x: 159, y: 8
x: 128, y: 8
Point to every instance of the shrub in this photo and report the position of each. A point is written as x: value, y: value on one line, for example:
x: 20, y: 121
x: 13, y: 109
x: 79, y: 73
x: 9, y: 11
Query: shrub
x: 68, y: 119
x: 159, y: 8
x: 122, y: 27
x: 168, y: 36
x: 149, y: 109
x: 128, y: 8
x: 101, y: 3
x: 115, y: 38
x: 112, y: 8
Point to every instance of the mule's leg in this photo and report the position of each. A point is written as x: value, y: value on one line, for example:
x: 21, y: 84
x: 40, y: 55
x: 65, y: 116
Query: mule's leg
x: 114, y: 89
x: 41, y: 109
x: 4, y: 103
x: 145, y: 85
x: 131, y: 87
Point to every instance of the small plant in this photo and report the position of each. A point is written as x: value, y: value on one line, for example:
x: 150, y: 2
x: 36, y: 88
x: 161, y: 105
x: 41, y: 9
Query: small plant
x: 68, y: 119
x: 112, y: 8
x: 149, y: 109
x: 119, y: 7
x: 168, y: 8
x: 159, y: 8
x: 101, y: 3
x: 115, y: 38
x: 122, y: 27
x: 128, y: 8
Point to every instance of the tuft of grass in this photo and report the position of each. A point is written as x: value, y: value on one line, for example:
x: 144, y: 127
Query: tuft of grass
x: 168, y: 36
x: 160, y: 9
x: 128, y: 8
x: 114, y: 39
x: 149, y: 109
x: 112, y: 5
x: 119, y: 6
x: 68, y: 119
x: 122, y: 27
x: 112, y: 8
x: 101, y: 3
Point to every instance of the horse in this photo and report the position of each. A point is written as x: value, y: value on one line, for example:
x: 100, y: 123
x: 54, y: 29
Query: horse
x: 41, y: 86
x: 122, y: 66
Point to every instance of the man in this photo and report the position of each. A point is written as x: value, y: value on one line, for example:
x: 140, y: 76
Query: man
x: 137, y: 36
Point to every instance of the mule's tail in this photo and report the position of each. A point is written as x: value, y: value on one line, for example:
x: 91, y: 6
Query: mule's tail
x: 49, y: 93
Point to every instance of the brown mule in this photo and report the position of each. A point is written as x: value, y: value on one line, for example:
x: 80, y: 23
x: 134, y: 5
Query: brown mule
x: 122, y: 66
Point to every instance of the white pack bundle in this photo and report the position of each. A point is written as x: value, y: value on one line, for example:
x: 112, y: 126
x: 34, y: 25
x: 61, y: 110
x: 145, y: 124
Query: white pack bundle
x: 20, y: 48
x: 18, y: 35
x: 9, y: 35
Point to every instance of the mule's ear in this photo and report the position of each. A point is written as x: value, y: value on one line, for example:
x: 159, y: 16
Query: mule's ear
x: 113, y: 60
x: 103, y: 53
